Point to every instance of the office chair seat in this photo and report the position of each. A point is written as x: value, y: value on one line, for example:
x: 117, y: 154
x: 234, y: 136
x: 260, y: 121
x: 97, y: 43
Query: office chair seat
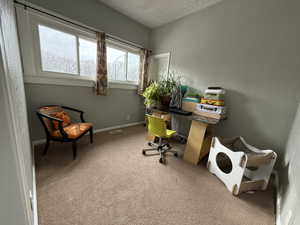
x: 170, y: 133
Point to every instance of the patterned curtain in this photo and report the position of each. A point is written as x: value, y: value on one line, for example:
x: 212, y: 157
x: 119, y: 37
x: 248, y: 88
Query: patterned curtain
x: 101, y: 83
x: 143, y: 78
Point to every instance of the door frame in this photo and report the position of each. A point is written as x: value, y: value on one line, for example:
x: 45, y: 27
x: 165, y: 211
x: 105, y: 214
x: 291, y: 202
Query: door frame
x: 24, y: 187
x: 166, y: 55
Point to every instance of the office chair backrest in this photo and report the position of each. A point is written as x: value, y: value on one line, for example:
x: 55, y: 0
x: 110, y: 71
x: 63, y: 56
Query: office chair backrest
x: 156, y: 126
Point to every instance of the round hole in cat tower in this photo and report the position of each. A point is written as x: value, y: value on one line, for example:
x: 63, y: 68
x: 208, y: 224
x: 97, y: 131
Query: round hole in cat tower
x: 224, y: 162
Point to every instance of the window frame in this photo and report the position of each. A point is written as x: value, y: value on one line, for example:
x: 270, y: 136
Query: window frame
x: 35, y: 21
x: 27, y: 22
x: 127, y: 49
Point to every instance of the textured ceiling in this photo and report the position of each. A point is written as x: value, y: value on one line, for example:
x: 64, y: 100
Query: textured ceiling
x: 154, y: 13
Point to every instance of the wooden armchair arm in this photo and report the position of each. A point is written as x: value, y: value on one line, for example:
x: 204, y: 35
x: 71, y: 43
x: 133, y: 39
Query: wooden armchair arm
x: 60, y: 123
x: 75, y: 110
x: 49, y: 117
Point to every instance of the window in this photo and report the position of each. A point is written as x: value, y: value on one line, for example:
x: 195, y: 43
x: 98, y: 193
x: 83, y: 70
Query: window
x: 67, y: 53
x: 59, y: 52
x: 88, y: 57
x: 122, y: 64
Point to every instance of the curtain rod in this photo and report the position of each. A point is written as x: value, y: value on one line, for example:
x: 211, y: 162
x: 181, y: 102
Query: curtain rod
x: 112, y: 37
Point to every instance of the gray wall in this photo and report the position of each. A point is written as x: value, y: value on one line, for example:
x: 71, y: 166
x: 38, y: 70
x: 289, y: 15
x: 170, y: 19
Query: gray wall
x: 290, y: 178
x: 102, y: 111
x: 97, y: 15
x: 251, y: 48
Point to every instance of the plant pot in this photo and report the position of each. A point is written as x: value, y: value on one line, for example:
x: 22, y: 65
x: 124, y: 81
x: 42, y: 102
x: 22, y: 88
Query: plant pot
x: 165, y: 102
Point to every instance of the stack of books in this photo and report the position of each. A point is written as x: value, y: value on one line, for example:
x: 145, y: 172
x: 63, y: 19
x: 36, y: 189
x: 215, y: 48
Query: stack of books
x: 212, y: 103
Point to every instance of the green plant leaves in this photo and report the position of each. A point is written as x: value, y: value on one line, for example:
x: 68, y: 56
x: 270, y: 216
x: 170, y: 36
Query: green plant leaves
x: 164, y: 87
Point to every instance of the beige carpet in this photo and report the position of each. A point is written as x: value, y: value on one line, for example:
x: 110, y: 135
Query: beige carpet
x: 112, y: 183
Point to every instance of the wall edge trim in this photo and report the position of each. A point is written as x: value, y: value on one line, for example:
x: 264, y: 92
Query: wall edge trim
x: 34, y: 194
x: 278, y: 199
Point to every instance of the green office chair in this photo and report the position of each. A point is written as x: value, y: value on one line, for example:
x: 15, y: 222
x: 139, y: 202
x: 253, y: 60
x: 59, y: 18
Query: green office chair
x: 158, y: 128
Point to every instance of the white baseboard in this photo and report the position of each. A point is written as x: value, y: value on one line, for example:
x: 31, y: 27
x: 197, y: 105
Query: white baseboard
x: 42, y: 141
x: 278, y: 199
x: 119, y: 127
x: 38, y: 142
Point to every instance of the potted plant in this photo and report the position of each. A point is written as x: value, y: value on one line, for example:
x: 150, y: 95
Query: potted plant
x: 159, y: 93
x: 151, y: 95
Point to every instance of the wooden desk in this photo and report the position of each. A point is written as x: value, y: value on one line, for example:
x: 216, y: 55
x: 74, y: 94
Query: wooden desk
x: 199, y: 139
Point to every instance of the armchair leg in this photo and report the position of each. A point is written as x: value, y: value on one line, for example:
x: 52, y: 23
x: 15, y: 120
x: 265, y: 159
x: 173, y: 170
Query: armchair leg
x: 91, y: 135
x: 46, y: 146
x: 74, y: 149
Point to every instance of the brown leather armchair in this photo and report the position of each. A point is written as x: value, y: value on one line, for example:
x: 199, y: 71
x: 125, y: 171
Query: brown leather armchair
x: 59, y: 127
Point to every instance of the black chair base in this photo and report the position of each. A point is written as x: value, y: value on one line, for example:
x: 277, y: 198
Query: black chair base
x: 74, y: 143
x: 162, y: 149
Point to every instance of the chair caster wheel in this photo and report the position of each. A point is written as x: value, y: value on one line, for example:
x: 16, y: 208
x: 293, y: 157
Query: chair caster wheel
x: 144, y: 152
x: 149, y: 144
x: 176, y: 154
x: 162, y: 161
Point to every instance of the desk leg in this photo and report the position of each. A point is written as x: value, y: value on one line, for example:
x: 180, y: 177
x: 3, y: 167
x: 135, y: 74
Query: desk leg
x: 195, y: 142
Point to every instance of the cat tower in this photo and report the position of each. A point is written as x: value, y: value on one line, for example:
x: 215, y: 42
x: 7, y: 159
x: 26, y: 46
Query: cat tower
x: 240, y: 166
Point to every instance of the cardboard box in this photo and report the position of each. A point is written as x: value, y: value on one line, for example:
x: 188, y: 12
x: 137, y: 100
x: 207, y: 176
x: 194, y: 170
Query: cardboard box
x: 189, y: 106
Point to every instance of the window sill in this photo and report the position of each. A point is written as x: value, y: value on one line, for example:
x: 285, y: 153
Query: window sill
x: 58, y: 81
x: 122, y: 85
x: 31, y: 79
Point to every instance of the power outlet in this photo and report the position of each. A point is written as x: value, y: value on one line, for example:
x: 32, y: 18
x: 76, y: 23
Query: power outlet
x: 128, y: 117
